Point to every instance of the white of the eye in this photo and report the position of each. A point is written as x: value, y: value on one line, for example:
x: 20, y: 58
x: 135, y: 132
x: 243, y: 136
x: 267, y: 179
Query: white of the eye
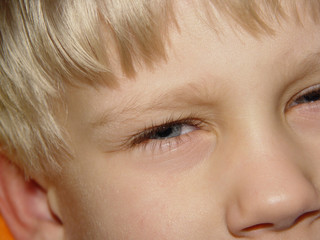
x: 187, y: 128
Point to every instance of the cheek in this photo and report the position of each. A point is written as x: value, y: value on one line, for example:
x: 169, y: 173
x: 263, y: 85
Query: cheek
x: 121, y: 197
x: 305, y: 123
x: 191, y: 152
x: 305, y: 120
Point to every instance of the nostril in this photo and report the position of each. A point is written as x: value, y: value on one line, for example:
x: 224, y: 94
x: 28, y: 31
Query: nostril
x: 257, y: 227
x: 307, y: 215
x: 261, y: 226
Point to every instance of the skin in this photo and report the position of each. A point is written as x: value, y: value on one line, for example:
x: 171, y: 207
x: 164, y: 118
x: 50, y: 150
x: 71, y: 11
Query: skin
x: 249, y: 169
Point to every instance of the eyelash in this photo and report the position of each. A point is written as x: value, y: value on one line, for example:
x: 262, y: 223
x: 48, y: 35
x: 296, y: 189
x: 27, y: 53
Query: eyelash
x: 145, y: 137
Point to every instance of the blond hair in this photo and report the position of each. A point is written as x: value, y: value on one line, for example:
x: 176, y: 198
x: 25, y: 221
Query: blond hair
x: 46, y: 44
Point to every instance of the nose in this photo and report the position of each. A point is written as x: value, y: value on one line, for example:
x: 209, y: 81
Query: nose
x: 271, y: 191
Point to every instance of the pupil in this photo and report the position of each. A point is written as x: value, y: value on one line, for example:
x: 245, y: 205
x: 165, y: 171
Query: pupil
x: 167, y: 132
x: 313, y: 96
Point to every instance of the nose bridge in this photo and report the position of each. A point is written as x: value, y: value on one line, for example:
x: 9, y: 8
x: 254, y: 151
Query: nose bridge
x: 271, y: 191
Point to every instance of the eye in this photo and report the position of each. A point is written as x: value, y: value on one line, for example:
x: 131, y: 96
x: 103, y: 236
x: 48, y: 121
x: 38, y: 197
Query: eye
x: 306, y: 96
x: 167, y: 131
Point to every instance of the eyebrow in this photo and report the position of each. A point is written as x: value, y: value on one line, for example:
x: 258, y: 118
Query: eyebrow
x: 193, y: 94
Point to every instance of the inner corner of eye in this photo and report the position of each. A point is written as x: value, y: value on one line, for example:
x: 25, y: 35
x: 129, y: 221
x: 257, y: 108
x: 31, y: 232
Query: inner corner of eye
x: 290, y: 105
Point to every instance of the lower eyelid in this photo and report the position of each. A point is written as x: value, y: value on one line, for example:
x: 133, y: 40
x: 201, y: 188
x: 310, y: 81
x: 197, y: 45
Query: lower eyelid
x: 169, y: 144
x: 176, y: 144
x: 306, y: 109
x: 189, y: 151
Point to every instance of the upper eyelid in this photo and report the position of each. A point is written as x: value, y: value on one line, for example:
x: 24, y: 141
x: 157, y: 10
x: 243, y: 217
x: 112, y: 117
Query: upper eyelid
x: 307, y: 90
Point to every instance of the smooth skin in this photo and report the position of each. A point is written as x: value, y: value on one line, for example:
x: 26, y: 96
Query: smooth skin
x: 240, y: 160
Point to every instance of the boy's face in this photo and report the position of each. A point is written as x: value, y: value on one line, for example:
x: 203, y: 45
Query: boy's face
x: 237, y: 154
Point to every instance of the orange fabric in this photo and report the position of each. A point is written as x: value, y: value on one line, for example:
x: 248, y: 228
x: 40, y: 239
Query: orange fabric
x: 4, y: 232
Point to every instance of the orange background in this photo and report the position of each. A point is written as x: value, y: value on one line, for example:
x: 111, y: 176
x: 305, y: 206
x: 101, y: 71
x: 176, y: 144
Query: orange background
x: 4, y: 232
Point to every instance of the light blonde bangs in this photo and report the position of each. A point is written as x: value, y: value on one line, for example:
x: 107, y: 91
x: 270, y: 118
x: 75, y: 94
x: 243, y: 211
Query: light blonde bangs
x: 46, y: 44
x: 260, y: 16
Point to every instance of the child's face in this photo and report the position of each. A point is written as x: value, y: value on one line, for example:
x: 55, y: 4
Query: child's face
x: 239, y: 159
